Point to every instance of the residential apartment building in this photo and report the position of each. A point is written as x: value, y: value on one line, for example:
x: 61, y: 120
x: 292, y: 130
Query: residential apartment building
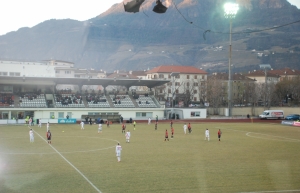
x: 260, y: 76
x: 186, y: 83
x: 286, y: 74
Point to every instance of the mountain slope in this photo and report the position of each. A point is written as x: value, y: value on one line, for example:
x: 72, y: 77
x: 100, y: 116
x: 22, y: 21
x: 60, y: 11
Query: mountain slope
x: 120, y: 40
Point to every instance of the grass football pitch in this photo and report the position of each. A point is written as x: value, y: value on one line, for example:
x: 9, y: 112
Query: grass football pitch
x: 251, y: 157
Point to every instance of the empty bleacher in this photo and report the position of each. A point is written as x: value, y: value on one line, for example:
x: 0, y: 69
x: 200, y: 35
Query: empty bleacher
x: 145, y: 102
x: 122, y: 101
x: 33, y: 101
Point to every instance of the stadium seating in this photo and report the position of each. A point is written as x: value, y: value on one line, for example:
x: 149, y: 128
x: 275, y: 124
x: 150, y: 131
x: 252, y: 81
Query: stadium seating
x: 6, y: 100
x: 145, y: 102
x: 33, y: 101
x: 68, y: 101
x: 97, y: 101
x: 122, y: 101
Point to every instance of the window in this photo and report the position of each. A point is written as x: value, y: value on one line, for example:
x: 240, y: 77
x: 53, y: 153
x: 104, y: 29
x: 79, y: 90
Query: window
x: 187, y: 76
x: 3, y: 73
x: 195, y: 114
x: 142, y: 114
x: 57, y: 71
x: 177, y: 84
x: 52, y: 115
x: 195, y: 83
x: 188, y: 84
x: 61, y: 115
x: 169, y: 76
x: 195, y: 76
x: 169, y: 90
x: 14, y: 74
x: 195, y: 98
x: 161, y: 76
x: 160, y: 91
x: 195, y: 91
x: 69, y: 114
x: 177, y: 91
x: 67, y: 72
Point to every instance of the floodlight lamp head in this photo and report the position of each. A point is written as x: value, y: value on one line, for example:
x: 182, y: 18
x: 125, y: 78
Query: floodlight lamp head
x: 230, y: 10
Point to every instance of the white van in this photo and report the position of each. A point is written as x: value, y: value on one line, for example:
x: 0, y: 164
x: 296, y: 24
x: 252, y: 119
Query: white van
x: 272, y: 114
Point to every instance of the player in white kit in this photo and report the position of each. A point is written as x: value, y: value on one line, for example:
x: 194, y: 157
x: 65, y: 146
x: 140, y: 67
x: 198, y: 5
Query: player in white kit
x: 118, y: 152
x: 48, y: 125
x: 82, y: 125
x: 30, y: 121
x: 40, y: 123
x: 149, y: 121
x: 127, y: 135
x: 184, y: 128
x: 100, y: 128
x: 31, y: 136
x: 207, y: 134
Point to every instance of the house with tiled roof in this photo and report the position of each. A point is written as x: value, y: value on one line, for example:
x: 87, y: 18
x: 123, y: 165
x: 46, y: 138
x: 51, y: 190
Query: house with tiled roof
x: 186, y: 81
x: 286, y: 73
x: 259, y: 76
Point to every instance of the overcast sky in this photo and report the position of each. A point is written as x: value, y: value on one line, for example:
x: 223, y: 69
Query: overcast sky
x: 15, y: 14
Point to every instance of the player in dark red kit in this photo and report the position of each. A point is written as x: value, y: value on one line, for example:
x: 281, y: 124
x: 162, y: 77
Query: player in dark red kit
x: 166, y: 135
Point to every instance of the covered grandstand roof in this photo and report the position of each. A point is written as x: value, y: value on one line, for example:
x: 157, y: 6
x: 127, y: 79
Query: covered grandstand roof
x: 10, y: 80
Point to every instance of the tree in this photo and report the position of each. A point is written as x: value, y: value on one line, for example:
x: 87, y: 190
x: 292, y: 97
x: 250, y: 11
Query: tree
x: 188, y: 91
x: 288, y: 91
x: 215, y: 93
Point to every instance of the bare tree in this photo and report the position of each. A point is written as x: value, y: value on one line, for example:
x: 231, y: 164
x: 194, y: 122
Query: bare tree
x: 188, y: 91
x: 215, y: 93
x: 202, y: 88
x: 288, y: 91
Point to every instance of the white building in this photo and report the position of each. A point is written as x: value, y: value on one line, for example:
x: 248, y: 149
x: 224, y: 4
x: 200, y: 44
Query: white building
x: 185, y: 82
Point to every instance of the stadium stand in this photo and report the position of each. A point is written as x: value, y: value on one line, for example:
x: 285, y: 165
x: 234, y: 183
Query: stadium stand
x: 31, y: 100
x: 122, y: 101
x: 68, y: 101
x: 145, y: 102
x: 6, y: 100
x: 99, y: 101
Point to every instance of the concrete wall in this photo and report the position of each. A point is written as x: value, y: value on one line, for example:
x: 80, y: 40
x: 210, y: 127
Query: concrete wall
x: 188, y: 113
x: 243, y: 111
x: 77, y: 112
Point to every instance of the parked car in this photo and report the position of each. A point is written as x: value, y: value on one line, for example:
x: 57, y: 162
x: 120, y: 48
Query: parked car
x: 293, y: 117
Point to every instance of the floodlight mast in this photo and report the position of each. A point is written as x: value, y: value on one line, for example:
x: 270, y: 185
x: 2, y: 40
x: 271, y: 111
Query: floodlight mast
x: 230, y: 11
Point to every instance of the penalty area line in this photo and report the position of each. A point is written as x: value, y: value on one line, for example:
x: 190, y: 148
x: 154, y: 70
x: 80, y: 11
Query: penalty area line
x: 70, y: 164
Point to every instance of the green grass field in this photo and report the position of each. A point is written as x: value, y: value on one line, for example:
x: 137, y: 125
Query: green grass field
x: 251, y: 157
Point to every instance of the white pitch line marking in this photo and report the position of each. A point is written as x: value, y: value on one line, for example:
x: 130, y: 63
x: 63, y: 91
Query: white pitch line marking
x: 69, y: 152
x: 275, y: 137
x: 273, y: 191
x: 71, y: 164
x: 247, y: 132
